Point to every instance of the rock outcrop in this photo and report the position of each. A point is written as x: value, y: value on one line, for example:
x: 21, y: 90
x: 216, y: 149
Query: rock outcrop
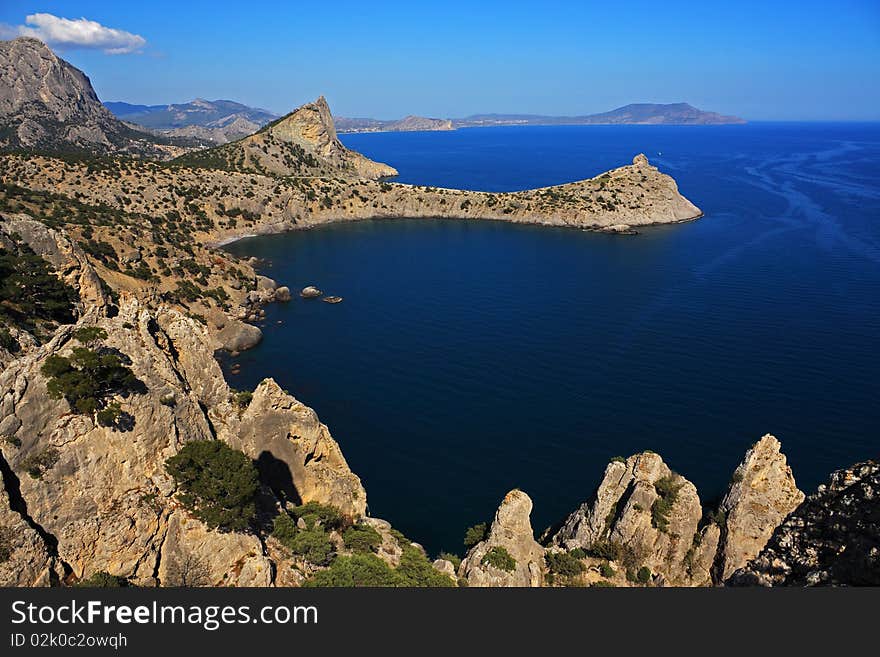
x: 651, y: 513
x: 511, y: 531
x: 762, y: 493
x: 47, y: 104
x: 101, y: 499
x: 303, y: 142
x: 831, y: 539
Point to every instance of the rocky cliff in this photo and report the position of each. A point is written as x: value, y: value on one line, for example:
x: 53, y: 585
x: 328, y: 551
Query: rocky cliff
x: 832, y: 539
x: 82, y: 497
x: 49, y: 105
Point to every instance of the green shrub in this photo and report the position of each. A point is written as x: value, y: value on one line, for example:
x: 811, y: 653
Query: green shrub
x: 605, y: 550
x: 607, y: 571
x: 87, y: 377
x: 667, y: 491
x: 218, y: 484
x: 37, y: 463
x: 109, y: 415
x: 328, y: 516
x: 86, y: 334
x: 602, y: 584
x: 454, y: 559
x: 618, y: 459
x: 578, y: 553
x: 416, y: 570
x: 313, y: 545
x: 643, y: 576
x: 563, y: 563
x: 498, y: 557
x: 354, y: 571
x: 243, y: 398
x: 29, y: 290
x: 103, y: 580
x: 362, y: 538
x: 475, y: 534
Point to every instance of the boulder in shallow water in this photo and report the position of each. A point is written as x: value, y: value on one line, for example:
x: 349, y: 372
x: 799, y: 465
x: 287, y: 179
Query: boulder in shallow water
x: 310, y: 292
x: 332, y: 299
x: 282, y: 294
x: 238, y: 336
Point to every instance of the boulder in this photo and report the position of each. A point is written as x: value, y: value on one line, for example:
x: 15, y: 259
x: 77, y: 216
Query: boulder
x: 238, y: 336
x: 266, y: 284
x: 310, y: 292
x: 282, y: 294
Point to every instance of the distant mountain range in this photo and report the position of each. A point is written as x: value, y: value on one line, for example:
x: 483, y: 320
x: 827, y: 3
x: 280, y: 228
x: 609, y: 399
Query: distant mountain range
x: 634, y: 114
x: 215, y: 121
x: 221, y: 121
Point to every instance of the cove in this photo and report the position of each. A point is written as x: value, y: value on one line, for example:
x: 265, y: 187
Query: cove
x: 468, y: 357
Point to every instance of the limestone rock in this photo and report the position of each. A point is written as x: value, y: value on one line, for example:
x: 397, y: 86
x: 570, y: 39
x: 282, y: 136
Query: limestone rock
x: 310, y: 292
x: 305, y: 463
x: 831, y: 539
x: 47, y: 103
x: 282, y: 294
x: 622, y: 513
x: 445, y: 566
x: 762, y: 494
x: 239, y: 336
x: 511, y: 530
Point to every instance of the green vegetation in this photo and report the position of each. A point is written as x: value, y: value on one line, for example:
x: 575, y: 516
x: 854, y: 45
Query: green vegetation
x: 498, y: 557
x: 454, y: 559
x: 8, y: 342
x: 607, y: 571
x: 87, y: 334
x: 218, y: 484
x: 618, y: 459
x: 30, y: 292
x: 667, y: 490
x: 103, y: 580
x: 243, y: 398
x: 357, y: 570
x: 475, y: 534
x: 564, y: 564
x: 362, y: 538
x: 643, y: 576
x: 88, y: 377
x: 37, y: 463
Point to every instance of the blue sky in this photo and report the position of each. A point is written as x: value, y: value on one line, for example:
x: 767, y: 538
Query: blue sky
x: 761, y: 60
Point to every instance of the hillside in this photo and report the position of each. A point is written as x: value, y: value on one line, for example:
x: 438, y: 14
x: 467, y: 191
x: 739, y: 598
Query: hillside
x: 48, y: 105
x: 302, y: 143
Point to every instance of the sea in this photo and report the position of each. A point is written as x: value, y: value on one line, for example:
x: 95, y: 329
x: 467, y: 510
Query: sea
x: 469, y: 358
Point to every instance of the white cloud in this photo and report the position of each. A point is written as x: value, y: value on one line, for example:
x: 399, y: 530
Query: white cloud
x: 76, y: 33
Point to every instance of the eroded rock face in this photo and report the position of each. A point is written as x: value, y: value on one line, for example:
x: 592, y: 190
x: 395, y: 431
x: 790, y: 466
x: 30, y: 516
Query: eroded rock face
x: 763, y: 492
x: 622, y: 513
x: 47, y: 103
x: 831, y: 539
x: 104, y: 501
x: 308, y: 129
x: 287, y: 439
x: 512, y: 531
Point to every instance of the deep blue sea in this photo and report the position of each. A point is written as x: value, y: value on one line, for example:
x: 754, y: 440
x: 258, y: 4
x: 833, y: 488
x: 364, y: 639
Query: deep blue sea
x: 469, y: 358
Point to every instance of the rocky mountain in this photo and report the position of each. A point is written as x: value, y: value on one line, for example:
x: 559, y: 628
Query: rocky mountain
x: 635, y: 114
x: 303, y: 142
x: 407, y: 124
x: 48, y: 105
x: 212, y: 121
